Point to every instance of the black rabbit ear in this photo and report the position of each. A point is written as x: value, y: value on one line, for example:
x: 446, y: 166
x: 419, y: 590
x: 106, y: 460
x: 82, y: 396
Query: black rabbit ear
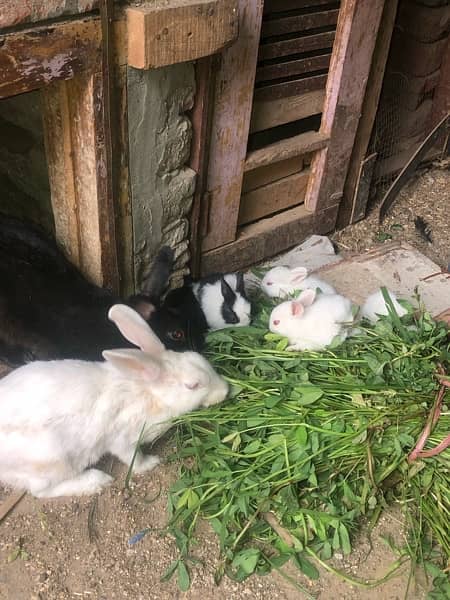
x: 228, y: 295
x: 240, y: 287
x: 157, y: 281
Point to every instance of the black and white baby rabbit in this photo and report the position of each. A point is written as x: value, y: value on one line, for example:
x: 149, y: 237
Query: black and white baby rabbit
x: 49, y: 310
x: 57, y: 418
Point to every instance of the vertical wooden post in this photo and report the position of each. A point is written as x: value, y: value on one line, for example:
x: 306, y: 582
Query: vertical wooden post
x: 230, y: 126
x: 356, y: 34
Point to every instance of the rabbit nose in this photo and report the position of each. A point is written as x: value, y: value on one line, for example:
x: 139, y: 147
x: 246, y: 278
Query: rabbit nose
x: 276, y: 322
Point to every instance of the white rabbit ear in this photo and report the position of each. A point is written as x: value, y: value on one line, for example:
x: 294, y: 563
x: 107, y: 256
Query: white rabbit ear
x: 133, y: 327
x: 133, y: 363
x: 307, y: 297
x: 297, y: 308
x: 298, y: 274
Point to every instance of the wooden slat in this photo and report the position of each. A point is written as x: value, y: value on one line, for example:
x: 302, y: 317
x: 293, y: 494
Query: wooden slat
x: 285, y: 110
x: 230, y: 126
x: 348, y: 210
x: 273, y: 6
x: 290, y: 88
x: 271, y: 172
x: 274, y: 197
x: 32, y: 58
x: 294, y: 146
x: 293, y: 67
x: 296, y: 46
x: 296, y: 23
x: 268, y: 237
x: 163, y: 34
x: 349, y: 70
x: 14, y: 12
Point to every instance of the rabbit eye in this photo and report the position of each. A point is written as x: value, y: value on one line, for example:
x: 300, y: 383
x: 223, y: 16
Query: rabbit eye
x: 177, y: 335
x: 269, y: 283
x: 192, y: 386
x: 276, y: 322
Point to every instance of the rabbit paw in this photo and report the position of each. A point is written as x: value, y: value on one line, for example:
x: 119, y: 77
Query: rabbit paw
x: 88, y: 482
x: 145, y: 463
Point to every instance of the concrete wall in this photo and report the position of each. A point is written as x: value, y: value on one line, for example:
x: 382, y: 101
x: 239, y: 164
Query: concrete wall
x: 162, y: 186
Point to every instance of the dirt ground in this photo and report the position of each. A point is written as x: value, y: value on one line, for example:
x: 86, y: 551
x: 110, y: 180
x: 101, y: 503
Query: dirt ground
x: 71, y: 548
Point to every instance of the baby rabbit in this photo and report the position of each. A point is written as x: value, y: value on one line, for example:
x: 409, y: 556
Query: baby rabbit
x: 310, y: 323
x: 375, y: 305
x: 280, y: 282
x: 58, y: 418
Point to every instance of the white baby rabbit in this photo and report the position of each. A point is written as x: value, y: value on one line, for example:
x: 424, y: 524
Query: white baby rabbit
x: 310, y: 323
x: 58, y: 418
x: 375, y: 305
x: 279, y: 282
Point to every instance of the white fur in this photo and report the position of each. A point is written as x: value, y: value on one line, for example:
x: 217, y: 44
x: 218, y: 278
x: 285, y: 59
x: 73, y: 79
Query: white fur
x: 58, y: 418
x: 316, y: 322
x: 211, y: 301
x: 280, y: 282
x: 375, y: 305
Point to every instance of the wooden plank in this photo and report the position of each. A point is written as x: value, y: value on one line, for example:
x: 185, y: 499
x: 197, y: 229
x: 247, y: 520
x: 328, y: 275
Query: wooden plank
x: 295, y: 23
x: 268, y: 237
x: 274, y: 197
x: 13, y: 13
x: 230, y: 126
x: 368, y: 113
x: 164, y: 34
x: 441, y: 100
x: 273, y: 6
x: 293, y: 67
x: 290, y: 88
x: 349, y: 70
x: 284, y: 149
x: 285, y: 110
x: 296, y: 46
x: 362, y: 190
x: 32, y: 58
x: 76, y: 155
x: 270, y: 173
x: 412, y: 57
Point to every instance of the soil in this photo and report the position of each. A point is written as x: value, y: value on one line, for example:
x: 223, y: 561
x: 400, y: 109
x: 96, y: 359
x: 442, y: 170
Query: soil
x: 71, y: 548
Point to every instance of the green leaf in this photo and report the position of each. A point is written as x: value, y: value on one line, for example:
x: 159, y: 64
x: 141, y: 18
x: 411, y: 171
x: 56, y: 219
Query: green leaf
x: 345, y: 539
x: 170, y: 570
x: 272, y: 401
x: 307, y: 394
x: 184, y: 581
x: 301, y: 435
x: 246, y: 560
x: 252, y: 447
x: 307, y: 567
x: 14, y: 555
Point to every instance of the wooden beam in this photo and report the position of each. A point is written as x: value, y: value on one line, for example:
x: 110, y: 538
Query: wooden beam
x: 268, y: 237
x: 15, y: 13
x: 294, y: 146
x: 285, y: 110
x: 347, y: 211
x: 164, y: 34
x: 347, y: 79
x: 270, y: 173
x: 291, y: 88
x: 32, y: 58
x: 230, y: 126
x: 296, y: 23
x: 293, y: 67
x: 305, y: 43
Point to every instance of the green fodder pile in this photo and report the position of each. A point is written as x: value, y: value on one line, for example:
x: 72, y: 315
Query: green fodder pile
x: 312, y: 444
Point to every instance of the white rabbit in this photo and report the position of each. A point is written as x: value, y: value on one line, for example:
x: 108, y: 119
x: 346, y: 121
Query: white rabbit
x: 375, y: 305
x: 58, y: 418
x: 310, y: 323
x: 279, y: 282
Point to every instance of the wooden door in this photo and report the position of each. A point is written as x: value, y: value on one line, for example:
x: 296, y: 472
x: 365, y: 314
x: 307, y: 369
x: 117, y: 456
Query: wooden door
x: 288, y: 96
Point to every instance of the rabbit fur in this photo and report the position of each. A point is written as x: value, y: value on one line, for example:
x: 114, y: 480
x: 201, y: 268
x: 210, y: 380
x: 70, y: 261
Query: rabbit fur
x: 281, y: 281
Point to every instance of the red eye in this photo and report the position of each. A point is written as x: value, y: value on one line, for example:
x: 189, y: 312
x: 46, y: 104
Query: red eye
x: 269, y: 283
x: 276, y: 322
x: 178, y: 334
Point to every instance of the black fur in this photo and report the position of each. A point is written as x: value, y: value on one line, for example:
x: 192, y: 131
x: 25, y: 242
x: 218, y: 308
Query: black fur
x: 48, y: 309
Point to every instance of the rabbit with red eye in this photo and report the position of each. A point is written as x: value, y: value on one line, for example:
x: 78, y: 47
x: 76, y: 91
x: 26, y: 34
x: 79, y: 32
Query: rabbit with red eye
x: 58, y: 418
x: 312, y: 323
x: 280, y: 282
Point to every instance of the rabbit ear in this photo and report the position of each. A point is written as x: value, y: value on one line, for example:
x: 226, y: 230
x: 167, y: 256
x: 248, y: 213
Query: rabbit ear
x: 133, y: 327
x: 297, y: 308
x: 133, y: 363
x: 298, y: 274
x: 307, y: 297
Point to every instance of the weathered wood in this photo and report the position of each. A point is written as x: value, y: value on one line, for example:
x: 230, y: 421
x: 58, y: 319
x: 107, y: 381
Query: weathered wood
x: 285, y: 110
x: 422, y: 22
x: 201, y: 122
x: 164, y: 34
x: 347, y: 79
x: 75, y: 145
x: 284, y: 25
x: 290, y: 88
x: 273, y: 6
x: 410, y: 56
x: 297, y: 45
x: 230, y: 126
x: 284, y: 149
x: 362, y: 189
x: 268, y: 237
x: 274, y: 197
x: 10, y: 502
x: 348, y: 212
x: 270, y: 173
x: 293, y: 67
x: 13, y: 12
x: 32, y: 58
x: 441, y: 99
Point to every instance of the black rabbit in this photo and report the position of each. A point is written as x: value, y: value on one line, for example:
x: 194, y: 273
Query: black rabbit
x: 49, y: 310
